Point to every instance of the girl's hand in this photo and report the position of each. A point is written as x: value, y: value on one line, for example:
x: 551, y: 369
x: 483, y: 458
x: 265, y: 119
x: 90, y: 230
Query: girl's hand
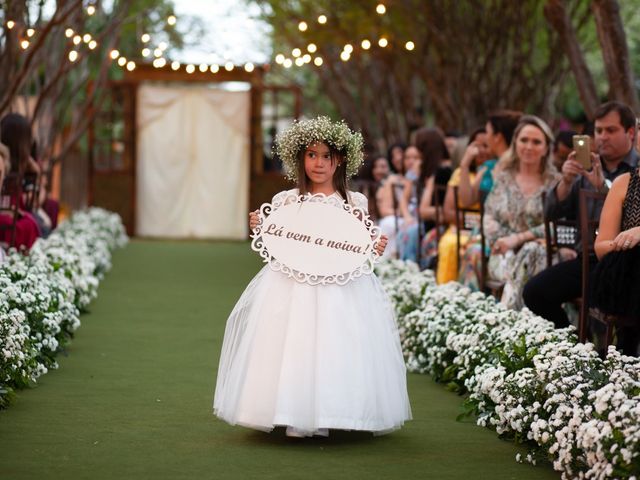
x: 627, y: 239
x: 254, y: 219
x: 381, y: 244
x: 469, y: 156
x: 504, y: 244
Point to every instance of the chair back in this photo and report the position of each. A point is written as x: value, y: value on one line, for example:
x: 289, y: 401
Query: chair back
x: 9, y: 203
x: 558, y: 234
x: 588, y: 232
x: 468, y: 219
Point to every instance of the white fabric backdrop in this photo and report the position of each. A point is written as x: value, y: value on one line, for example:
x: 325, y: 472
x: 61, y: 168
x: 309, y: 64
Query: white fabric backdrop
x: 193, y: 162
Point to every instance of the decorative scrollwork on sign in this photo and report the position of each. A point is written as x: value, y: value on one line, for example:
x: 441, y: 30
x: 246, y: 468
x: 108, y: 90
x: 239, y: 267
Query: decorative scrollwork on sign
x: 316, y: 239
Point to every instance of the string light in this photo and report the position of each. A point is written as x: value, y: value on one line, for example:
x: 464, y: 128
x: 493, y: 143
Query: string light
x: 171, y: 20
x: 86, y: 38
x: 73, y: 56
x: 77, y: 39
x: 30, y: 32
x: 114, y: 54
x: 93, y: 44
x: 348, y: 48
x: 322, y: 19
x: 366, y: 44
x: 249, y: 67
x: 317, y: 61
x: 296, y: 52
x: 345, y: 56
x: 24, y: 44
x: 228, y: 66
x: 302, y: 26
x: 145, y: 38
x: 157, y: 53
x: 306, y: 58
x: 131, y: 66
x: 191, y: 68
x: 214, y: 68
x: 381, y: 9
x: 175, y: 65
x: 311, y: 48
x: 11, y: 24
x: 280, y: 59
x: 287, y: 63
x: 69, y: 32
x: 91, y: 10
x: 299, y: 62
x: 159, y: 62
x: 409, y: 46
x: 146, y: 52
x: 203, y: 67
x: 122, y: 61
x: 383, y: 42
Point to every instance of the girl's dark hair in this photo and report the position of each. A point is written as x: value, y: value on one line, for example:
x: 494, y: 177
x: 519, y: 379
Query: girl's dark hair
x: 433, y: 150
x: 472, y: 138
x: 390, y: 150
x: 16, y: 135
x: 340, y: 182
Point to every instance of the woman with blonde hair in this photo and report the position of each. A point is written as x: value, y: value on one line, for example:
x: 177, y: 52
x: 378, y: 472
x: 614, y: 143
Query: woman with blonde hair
x: 513, y: 221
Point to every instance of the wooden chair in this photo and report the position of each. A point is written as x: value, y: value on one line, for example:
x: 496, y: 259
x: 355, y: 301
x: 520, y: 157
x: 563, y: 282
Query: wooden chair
x: 30, y: 190
x: 468, y: 219
x: 588, y: 232
x: 9, y: 200
x: 558, y: 234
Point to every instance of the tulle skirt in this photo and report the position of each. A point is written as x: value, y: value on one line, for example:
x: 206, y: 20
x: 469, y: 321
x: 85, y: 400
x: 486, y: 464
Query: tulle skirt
x: 615, y: 283
x: 312, y: 357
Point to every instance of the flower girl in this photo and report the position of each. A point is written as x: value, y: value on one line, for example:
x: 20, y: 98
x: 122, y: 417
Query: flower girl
x: 314, y: 357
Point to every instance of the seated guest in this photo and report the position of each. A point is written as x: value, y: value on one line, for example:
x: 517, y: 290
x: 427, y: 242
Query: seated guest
x: 562, y: 148
x: 499, y: 132
x: 615, y: 280
x: 16, y: 135
x: 374, y: 173
x: 614, y: 132
x: 513, y: 221
x: 475, y: 155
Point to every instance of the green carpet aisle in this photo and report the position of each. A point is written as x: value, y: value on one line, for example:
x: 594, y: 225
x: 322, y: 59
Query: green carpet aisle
x: 133, y: 397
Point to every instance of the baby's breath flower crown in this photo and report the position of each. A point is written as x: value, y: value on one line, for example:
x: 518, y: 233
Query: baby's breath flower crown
x: 303, y: 133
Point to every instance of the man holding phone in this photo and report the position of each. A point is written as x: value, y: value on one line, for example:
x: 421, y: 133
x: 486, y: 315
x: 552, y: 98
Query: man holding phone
x: 615, y: 123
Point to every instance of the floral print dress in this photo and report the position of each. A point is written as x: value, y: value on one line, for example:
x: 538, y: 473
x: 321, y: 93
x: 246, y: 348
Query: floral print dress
x: 509, y: 211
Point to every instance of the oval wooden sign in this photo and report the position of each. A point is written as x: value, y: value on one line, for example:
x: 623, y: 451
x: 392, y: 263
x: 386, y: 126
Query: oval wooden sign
x: 316, y: 239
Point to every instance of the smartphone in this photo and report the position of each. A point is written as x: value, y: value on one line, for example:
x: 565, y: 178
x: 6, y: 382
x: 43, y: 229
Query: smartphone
x: 582, y: 147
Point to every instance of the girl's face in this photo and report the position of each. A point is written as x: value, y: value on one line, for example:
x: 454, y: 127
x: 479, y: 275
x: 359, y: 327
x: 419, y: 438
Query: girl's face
x: 531, y: 145
x: 380, y: 169
x: 412, y: 158
x: 483, y: 148
x: 318, y: 164
x: 397, y: 155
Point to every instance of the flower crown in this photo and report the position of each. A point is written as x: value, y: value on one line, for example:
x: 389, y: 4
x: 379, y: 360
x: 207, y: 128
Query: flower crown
x: 303, y: 133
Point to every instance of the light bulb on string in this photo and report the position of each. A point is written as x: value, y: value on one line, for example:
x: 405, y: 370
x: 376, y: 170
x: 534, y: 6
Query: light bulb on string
x: 228, y: 66
x: 249, y: 67
x: 280, y: 59
x: 345, y: 56
x: 296, y: 52
x: 203, y: 67
x: 114, y: 54
x: 24, y: 44
x: 91, y: 9
x: 302, y: 26
x: 171, y: 19
x: 366, y: 44
x: 10, y: 24
x: 77, y: 39
x: 157, y: 53
x: 175, y: 65
x: 145, y: 38
x: 122, y: 61
x: 348, y: 48
x: 381, y: 9
x: 131, y: 65
x: 287, y: 63
x: 92, y: 45
x: 159, y: 62
x: 299, y: 61
x: 146, y: 52
x: 383, y: 42
x: 409, y: 45
x: 86, y: 38
x: 306, y: 58
x: 214, y: 68
x: 311, y: 48
x: 191, y: 68
x: 73, y: 56
x: 322, y: 19
x: 69, y: 32
x: 317, y: 61
x: 30, y: 32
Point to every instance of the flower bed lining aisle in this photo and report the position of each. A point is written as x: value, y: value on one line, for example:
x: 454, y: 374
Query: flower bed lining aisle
x: 524, y: 378
x: 43, y: 293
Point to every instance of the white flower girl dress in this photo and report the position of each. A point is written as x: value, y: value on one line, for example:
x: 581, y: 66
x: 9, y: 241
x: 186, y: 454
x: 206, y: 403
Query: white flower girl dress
x: 312, y: 358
